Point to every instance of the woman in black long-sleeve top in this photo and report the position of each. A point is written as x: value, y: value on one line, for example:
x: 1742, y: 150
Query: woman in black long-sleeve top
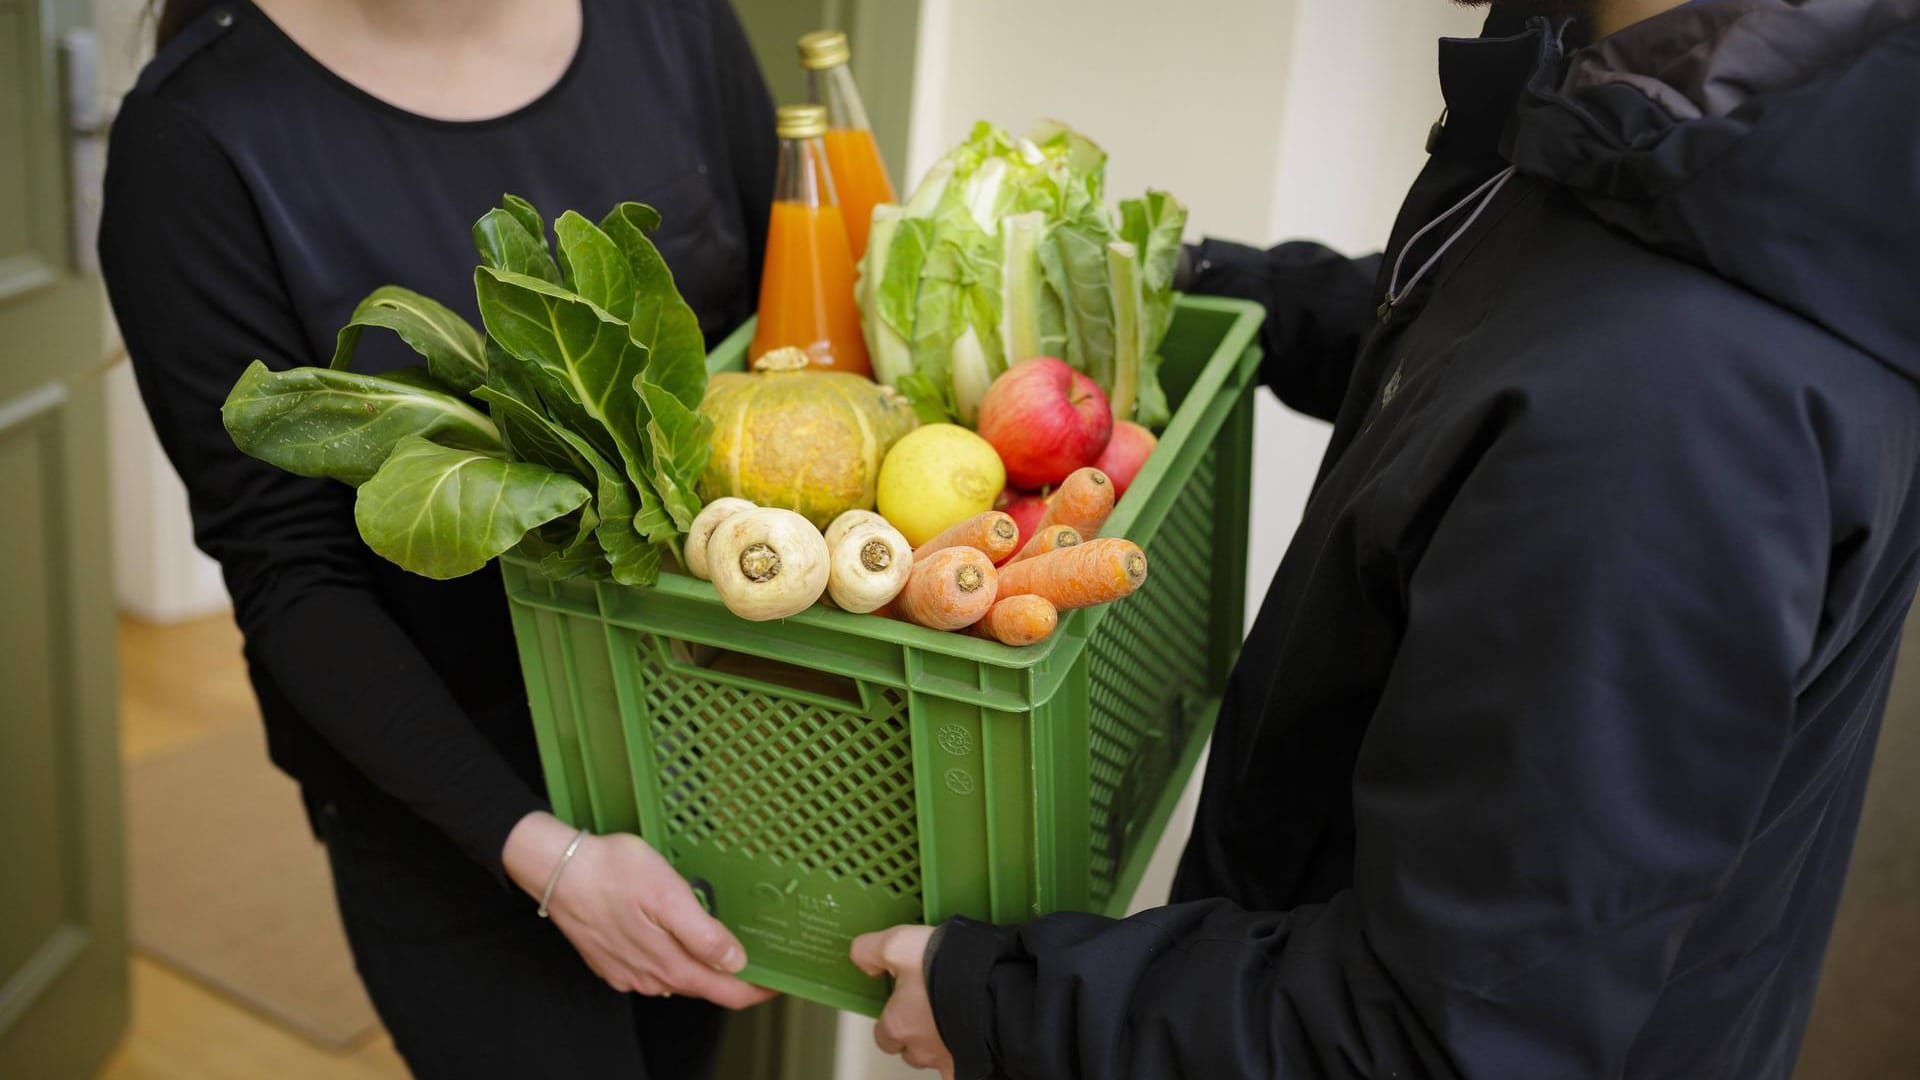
x: 271, y: 168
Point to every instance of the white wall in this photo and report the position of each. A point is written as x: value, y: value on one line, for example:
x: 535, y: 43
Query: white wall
x: 1270, y: 119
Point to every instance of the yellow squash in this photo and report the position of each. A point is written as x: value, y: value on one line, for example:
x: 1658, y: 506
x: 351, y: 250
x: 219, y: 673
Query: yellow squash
x: 799, y: 438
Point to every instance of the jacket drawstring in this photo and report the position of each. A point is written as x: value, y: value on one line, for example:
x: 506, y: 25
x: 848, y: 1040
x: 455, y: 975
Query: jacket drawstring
x: 1486, y: 192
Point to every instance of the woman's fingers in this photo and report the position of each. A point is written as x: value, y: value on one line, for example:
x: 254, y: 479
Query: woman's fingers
x: 704, y: 937
x: 667, y: 960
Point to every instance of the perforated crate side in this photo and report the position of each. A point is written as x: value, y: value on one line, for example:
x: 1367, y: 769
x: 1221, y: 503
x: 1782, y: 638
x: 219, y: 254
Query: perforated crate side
x: 793, y: 813
x: 1148, y: 665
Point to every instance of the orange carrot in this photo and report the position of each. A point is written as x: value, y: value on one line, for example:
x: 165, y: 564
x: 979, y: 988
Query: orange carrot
x: 1051, y: 538
x: 948, y: 590
x: 1084, y: 500
x: 1018, y: 620
x: 1092, y: 573
x: 993, y: 532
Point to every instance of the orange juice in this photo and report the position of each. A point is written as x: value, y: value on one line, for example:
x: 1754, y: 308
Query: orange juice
x: 853, y: 157
x: 859, y: 180
x: 806, y: 289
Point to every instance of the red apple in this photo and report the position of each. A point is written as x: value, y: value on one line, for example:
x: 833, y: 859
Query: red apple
x: 1126, y: 452
x: 1046, y: 420
x: 1026, y: 507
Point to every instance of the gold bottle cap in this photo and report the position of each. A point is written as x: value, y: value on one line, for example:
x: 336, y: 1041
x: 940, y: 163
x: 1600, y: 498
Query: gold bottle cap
x: 823, y: 49
x: 800, y: 121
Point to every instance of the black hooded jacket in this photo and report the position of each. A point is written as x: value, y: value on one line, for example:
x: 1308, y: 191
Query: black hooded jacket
x: 1545, y: 756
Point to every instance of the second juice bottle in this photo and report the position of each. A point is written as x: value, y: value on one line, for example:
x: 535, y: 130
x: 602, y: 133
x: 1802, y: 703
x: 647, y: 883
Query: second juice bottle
x: 859, y: 176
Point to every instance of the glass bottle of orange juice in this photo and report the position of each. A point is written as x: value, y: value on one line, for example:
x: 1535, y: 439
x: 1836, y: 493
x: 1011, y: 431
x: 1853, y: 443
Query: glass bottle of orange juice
x: 806, y: 286
x: 859, y: 176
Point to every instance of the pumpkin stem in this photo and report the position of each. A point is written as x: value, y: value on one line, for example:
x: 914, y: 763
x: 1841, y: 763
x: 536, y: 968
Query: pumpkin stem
x: 786, y: 358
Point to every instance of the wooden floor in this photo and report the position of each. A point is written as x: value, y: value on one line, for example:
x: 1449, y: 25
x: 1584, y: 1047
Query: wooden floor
x: 181, y: 683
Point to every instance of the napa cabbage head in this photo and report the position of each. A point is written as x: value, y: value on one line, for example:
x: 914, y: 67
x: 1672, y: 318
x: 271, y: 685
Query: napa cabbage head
x: 1008, y: 250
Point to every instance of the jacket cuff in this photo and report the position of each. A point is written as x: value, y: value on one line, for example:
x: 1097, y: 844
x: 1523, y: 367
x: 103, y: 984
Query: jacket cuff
x: 960, y: 957
x: 1224, y: 268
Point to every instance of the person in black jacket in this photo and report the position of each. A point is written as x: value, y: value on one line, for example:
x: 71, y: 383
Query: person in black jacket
x: 1545, y: 755
x: 275, y: 164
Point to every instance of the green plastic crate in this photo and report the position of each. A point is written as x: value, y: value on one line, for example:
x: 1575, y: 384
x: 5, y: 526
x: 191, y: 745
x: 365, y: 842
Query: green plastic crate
x: 831, y: 774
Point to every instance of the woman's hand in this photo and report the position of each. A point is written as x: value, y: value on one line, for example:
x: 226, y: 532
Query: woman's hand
x: 632, y: 917
x: 906, y: 1025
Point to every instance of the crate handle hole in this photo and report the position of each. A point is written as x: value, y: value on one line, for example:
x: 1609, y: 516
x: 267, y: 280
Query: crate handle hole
x: 692, y: 657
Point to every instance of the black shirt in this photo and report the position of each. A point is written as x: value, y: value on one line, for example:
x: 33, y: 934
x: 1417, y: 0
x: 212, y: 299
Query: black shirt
x: 252, y: 199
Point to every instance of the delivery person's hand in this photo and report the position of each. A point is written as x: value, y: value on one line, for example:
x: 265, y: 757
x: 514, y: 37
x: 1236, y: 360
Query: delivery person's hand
x: 632, y: 917
x: 906, y: 1025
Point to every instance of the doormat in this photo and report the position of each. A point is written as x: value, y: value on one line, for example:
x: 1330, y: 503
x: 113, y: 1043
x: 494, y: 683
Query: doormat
x: 230, y: 888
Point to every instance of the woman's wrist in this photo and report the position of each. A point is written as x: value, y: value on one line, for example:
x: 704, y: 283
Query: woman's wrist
x: 534, y: 848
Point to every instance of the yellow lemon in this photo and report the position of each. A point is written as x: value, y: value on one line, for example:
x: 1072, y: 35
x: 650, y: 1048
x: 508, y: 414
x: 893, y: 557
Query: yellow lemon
x: 936, y: 477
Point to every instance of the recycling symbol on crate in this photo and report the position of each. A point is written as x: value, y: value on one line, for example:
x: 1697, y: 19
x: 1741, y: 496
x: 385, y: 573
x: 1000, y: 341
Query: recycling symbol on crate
x: 955, y: 740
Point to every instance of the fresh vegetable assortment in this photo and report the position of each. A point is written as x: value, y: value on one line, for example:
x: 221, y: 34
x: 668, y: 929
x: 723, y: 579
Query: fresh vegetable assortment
x: 1008, y: 250
x: 580, y: 427
x: 568, y: 429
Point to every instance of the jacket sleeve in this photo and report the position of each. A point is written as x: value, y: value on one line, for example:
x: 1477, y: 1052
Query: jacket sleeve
x: 1603, y: 643
x: 197, y: 293
x: 1320, y: 307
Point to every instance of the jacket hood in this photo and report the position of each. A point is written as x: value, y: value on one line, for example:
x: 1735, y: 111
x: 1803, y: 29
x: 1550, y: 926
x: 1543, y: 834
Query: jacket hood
x: 1776, y: 142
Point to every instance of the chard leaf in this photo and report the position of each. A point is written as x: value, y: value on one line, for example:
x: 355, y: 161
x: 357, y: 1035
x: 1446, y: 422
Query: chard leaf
x: 682, y: 442
x: 627, y: 509
x: 633, y: 559
x: 583, y: 354
x: 528, y: 217
x: 593, y: 266
x: 444, y: 513
x: 626, y: 517
x: 338, y: 424
x: 567, y: 547
x: 455, y: 351
x: 530, y: 420
x: 660, y: 318
x: 504, y: 243
x: 530, y: 435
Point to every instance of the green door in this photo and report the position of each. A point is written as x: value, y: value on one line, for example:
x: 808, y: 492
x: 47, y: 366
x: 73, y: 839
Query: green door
x: 63, y: 982
x: 789, y: 1039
